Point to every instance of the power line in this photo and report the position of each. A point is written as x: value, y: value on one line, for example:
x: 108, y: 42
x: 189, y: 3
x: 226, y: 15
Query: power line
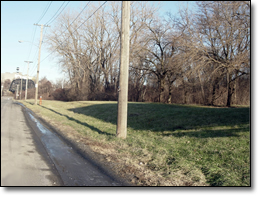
x: 35, y: 65
x: 33, y: 34
x: 45, y: 12
x: 75, y: 19
x: 75, y: 30
x: 34, y: 58
x: 91, y: 15
x: 70, y: 23
x: 32, y: 71
x: 56, y: 13
x: 55, y: 18
x: 23, y: 68
x: 35, y: 62
x: 44, y: 34
x: 32, y: 43
x: 45, y: 24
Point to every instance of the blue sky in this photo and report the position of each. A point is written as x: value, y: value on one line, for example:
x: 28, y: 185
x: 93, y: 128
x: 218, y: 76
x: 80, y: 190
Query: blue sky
x: 17, y: 19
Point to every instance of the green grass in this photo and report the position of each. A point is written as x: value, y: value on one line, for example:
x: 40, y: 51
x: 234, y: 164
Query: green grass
x: 177, y: 144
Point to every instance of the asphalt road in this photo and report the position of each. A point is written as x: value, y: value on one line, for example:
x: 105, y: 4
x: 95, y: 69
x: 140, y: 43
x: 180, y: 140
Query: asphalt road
x: 23, y: 163
x: 32, y: 155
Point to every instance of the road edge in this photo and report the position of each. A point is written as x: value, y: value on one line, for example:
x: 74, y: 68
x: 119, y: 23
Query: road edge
x: 96, y: 159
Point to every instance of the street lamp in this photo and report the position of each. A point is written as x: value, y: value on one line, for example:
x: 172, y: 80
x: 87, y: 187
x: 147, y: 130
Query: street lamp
x: 21, y: 41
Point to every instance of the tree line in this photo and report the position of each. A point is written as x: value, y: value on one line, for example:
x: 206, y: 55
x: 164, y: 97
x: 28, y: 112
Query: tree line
x: 200, y: 55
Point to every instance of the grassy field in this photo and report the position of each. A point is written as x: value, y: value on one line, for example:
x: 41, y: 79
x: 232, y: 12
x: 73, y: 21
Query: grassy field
x: 166, y: 144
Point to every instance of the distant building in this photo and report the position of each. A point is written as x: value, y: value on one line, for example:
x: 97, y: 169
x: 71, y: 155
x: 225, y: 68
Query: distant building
x: 14, y: 83
x: 13, y: 76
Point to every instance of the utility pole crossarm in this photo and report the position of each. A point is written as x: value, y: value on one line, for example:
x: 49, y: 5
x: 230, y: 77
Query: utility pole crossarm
x: 42, y: 25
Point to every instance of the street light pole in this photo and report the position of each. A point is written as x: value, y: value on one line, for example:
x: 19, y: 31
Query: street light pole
x: 25, y: 97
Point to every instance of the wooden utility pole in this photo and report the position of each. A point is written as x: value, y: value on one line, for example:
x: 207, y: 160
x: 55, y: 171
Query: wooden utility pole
x: 39, y: 58
x: 25, y: 97
x: 121, y: 131
x: 17, y: 88
x: 21, y: 88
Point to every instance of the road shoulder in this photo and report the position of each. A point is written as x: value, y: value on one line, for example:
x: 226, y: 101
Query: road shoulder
x: 72, y: 139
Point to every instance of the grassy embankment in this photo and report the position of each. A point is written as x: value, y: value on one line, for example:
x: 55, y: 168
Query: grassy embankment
x: 166, y: 144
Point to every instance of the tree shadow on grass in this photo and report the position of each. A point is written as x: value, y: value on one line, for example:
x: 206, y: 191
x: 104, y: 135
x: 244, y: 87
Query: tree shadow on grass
x: 28, y: 102
x: 209, y: 133
x: 79, y: 122
x: 166, y: 120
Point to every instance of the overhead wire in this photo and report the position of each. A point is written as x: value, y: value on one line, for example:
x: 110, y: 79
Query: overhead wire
x: 45, y: 12
x: 67, y: 27
x: 34, y: 58
x: 90, y: 16
x: 75, y: 29
x: 32, y: 42
x: 43, y: 36
x: 72, y: 21
x: 35, y: 61
x: 75, y: 18
x: 65, y: 30
x: 56, y: 13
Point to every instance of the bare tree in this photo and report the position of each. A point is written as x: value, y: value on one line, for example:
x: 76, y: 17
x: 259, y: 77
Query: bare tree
x: 218, y: 37
x: 202, y: 55
x: 157, y: 52
x: 225, y: 38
